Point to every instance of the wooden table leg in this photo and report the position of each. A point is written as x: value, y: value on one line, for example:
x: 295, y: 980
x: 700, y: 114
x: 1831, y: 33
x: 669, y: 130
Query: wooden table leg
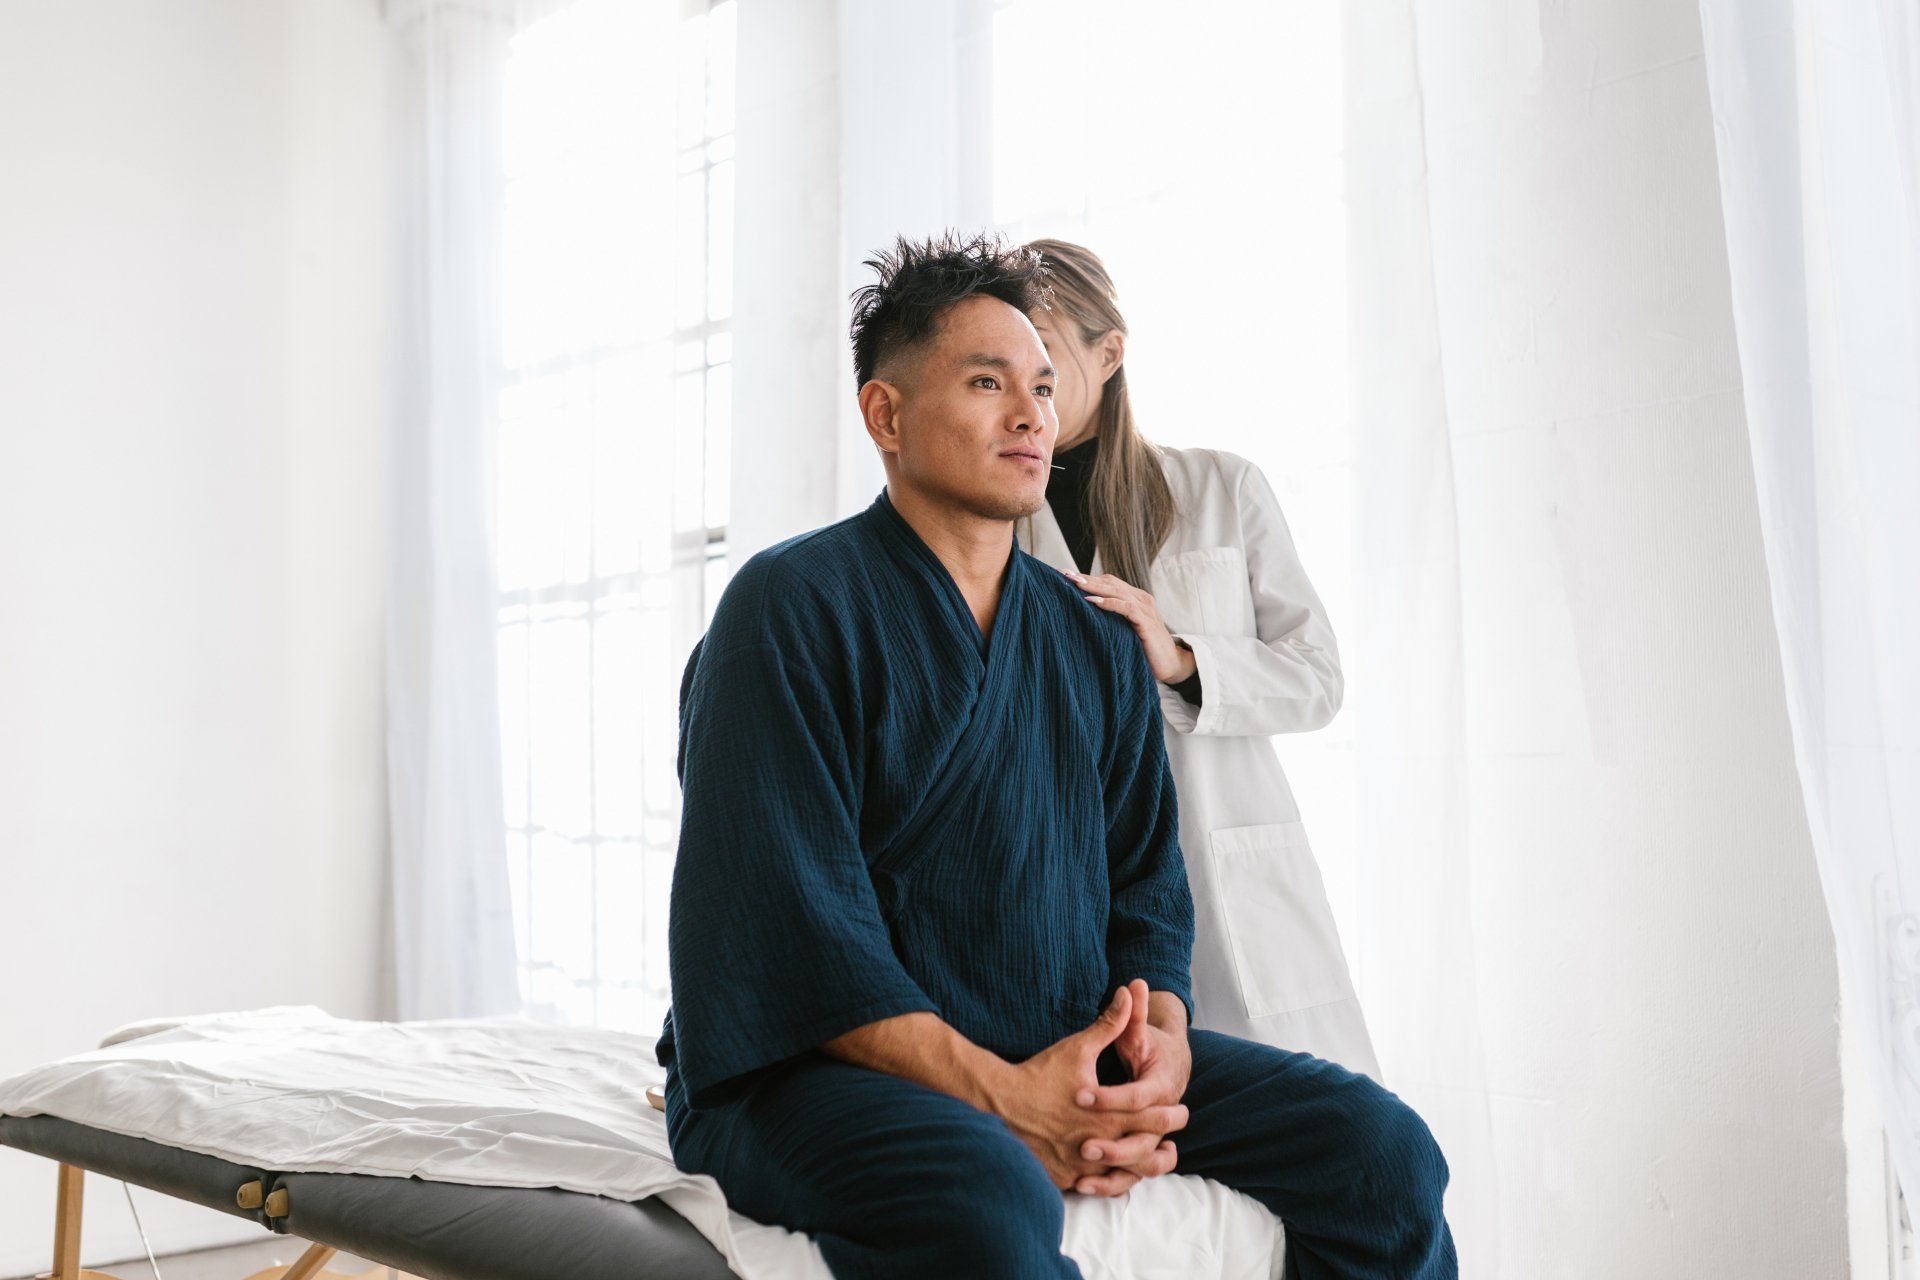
x: 308, y: 1268
x: 310, y: 1262
x: 66, y: 1222
x: 66, y: 1227
x: 68, y: 1195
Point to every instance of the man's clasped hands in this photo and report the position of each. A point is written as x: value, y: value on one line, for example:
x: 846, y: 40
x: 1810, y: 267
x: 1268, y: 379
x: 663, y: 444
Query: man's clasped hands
x: 1101, y: 1139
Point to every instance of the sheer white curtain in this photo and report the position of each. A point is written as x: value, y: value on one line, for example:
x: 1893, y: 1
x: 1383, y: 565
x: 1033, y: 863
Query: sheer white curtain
x: 1816, y: 109
x: 1405, y: 650
x: 560, y: 488
x: 452, y: 926
x: 1589, y: 917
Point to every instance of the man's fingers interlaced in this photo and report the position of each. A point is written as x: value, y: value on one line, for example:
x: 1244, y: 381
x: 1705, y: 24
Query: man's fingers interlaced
x: 1135, y: 1095
x: 1130, y: 1149
x: 1161, y: 1119
x: 1106, y: 1184
x: 1161, y: 1160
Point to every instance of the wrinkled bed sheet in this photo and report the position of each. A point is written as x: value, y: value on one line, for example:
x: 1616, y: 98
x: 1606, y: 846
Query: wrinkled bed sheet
x: 507, y: 1102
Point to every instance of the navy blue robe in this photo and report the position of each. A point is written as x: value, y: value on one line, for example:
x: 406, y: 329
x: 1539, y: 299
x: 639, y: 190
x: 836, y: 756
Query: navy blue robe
x: 885, y: 811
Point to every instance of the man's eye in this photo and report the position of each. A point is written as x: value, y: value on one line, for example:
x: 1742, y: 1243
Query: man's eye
x: 985, y: 377
x: 1047, y: 391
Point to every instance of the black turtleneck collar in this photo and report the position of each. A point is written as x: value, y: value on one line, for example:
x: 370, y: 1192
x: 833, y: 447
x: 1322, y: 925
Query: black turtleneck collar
x: 1067, y: 497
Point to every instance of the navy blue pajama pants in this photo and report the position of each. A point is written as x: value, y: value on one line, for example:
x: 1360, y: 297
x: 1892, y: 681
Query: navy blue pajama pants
x: 892, y: 1178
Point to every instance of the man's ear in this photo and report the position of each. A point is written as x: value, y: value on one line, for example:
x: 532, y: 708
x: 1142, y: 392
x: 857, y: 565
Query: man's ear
x: 880, y: 413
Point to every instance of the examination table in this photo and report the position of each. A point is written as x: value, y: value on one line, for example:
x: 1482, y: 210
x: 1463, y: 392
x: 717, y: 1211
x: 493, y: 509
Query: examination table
x: 482, y: 1149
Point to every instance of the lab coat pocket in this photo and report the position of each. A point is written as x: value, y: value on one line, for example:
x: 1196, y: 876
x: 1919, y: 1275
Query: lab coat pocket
x: 1204, y: 592
x: 1286, y: 952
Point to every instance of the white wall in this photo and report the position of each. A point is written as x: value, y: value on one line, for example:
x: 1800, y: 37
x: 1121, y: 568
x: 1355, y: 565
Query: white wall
x: 790, y: 358
x: 192, y: 350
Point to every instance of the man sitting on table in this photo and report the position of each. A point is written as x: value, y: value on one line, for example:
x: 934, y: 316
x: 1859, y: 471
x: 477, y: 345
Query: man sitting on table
x: 930, y: 924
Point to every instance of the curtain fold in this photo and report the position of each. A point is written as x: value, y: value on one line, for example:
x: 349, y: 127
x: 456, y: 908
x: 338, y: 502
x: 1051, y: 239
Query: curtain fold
x: 1590, y: 942
x: 1816, y: 116
x: 1417, y: 968
x: 452, y: 930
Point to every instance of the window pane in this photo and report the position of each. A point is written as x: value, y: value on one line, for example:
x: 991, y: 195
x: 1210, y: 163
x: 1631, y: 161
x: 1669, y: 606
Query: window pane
x: 559, y: 800
x: 513, y: 723
x: 689, y: 449
x: 690, y: 248
x: 527, y: 278
x: 719, y: 430
x: 517, y: 891
x: 691, y: 73
x: 658, y: 891
x: 570, y: 448
x: 618, y: 460
x: 720, y: 242
x: 655, y: 499
x: 718, y: 571
x: 557, y: 997
x: 622, y: 894
x: 633, y: 1009
x: 660, y: 728
x: 531, y: 552
x: 618, y: 714
x: 720, y: 62
x: 613, y: 460
x: 562, y: 905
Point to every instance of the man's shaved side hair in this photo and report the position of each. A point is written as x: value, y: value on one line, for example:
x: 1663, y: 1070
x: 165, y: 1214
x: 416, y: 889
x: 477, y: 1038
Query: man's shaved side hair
x: 920, y: 279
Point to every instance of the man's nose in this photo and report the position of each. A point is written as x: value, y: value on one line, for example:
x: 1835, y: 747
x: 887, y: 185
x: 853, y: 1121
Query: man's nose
x: 1032, y: 416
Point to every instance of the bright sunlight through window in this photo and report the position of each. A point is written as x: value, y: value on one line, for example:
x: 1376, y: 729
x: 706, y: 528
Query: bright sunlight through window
x: 613, y: 475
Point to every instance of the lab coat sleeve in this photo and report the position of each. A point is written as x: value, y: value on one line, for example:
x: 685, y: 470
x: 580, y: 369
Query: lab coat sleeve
x: 775, y: 937
x: 1150, y: 924
x: 1286, y: 677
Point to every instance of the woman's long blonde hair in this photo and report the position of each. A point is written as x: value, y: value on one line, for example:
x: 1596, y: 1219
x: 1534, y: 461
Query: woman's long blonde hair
x: 1129, y: 506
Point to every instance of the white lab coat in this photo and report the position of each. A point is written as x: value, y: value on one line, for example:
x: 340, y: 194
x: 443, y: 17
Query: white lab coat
x: 1267, y: 963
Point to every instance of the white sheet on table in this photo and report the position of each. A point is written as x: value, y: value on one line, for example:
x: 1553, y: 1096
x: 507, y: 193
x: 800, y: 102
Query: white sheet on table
x: 507, y: 1102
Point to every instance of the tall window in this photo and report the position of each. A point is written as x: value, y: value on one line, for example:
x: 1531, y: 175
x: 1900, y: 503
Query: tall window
x: 613, y: 475
x: 1197, y: 150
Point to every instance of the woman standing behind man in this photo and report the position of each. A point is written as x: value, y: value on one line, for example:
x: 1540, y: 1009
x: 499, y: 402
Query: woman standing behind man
x: 1189, y: 545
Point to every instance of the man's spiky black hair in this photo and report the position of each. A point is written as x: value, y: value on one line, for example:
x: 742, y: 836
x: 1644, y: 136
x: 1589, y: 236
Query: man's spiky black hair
x: 920, y: 279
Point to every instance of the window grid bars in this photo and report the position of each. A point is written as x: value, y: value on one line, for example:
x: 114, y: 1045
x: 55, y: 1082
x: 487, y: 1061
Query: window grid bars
x: 700, y: 550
